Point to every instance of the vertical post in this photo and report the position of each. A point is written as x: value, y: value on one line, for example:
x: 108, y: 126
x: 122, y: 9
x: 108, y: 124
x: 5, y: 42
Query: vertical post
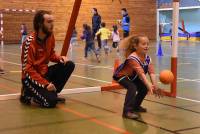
x: 71, y: 26
x: 1, y: 28
x: 174, y: 45
x: 183, y: 25
x: 158, y: 23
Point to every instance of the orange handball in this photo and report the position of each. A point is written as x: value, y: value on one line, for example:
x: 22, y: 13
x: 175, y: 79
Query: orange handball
x: 166, y: 77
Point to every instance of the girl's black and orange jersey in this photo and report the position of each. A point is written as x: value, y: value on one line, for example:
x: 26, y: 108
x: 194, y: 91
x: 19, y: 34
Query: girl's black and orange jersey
x: 133, y: 66
x: 35, y: 58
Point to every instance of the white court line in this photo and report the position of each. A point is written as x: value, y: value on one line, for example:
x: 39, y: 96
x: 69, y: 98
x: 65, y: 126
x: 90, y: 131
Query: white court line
x: 11, y: 62
x: 89, y: 65
x: 182, y: 98
x: 94, y: 66
x: 91, y: 79
x: 75, y: 76
x: 11, y: 53
x: 76, y: 91
x: 194, y: 80
x: 167, y: 55
x: 15, y: 96
x: 63, y: 92
x: 184, y: 63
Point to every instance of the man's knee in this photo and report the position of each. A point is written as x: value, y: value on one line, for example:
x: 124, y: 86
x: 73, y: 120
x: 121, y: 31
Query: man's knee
x: 70, y: 65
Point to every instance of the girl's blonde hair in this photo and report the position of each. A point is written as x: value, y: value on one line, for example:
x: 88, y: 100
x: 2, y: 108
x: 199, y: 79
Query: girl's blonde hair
x: 128, y: 44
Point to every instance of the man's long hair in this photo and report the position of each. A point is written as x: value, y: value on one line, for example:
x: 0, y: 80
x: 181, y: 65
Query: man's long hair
x: 39, y: 19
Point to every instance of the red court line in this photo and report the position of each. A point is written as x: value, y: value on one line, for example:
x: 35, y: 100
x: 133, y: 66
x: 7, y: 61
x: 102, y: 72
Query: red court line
x: 94, y: 120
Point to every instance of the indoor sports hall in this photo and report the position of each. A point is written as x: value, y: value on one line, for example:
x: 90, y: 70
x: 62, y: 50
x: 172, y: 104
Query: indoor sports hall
x: 92, y: 101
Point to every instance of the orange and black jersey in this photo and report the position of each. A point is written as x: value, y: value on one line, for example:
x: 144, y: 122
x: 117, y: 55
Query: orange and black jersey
x: 133, y: 66
x: 35, y: 58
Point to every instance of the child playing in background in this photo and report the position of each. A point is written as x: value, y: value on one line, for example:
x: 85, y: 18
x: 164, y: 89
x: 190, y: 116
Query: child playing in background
x: 24, y: 33
x: 89, y: 41
x: 104, y: 35
x: 115, y: 37
x: 73, y: 40
x: 1, y: 70
x: 132, y: 74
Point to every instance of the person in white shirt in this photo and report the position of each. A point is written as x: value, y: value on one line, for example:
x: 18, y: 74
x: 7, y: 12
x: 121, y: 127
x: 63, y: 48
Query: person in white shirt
x: 115, y: 37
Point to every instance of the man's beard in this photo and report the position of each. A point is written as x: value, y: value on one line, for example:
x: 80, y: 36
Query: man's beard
x: 45, y: 30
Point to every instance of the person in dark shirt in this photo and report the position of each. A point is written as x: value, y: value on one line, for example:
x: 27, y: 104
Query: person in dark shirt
x: 96, y: 23
x: 24, y: 32
x: 89, y: 41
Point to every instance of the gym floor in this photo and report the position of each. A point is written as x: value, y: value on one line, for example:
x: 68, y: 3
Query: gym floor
x: 100, y: 112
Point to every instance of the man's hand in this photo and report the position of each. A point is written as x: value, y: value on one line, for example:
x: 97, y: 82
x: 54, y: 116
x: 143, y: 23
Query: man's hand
x: 51, y: 87
x: 63, y: 60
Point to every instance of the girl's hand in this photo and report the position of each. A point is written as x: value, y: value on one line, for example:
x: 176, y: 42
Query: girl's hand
x: 158, y: 93
x: 150, y: 87
x: 155, y: 87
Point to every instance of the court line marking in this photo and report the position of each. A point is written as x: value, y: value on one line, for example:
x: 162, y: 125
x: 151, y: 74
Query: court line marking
x: 13, y: 96
x: 161, y: 103
x: 16, y: 96
x: 195, y: 80
x: 95, y: 66
x: 90, y: 65
x: 182, y: 80
x: 96, y: 88
x: 112, y: 111
x: 94, y: 120
x: 81, y: 115
x: 5, y: 87
x: 78, y: 76
x: 182, y: 98
x: 92, y: 79
x: 110, y: 82
x: 186, y: 63
x: 186, y: 129
x: 167, y: 55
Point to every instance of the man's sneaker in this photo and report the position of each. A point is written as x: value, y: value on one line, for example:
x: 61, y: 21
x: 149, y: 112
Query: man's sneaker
x: 130, y: 115
x: 140, y: 109
x: 2, y: 71
x: 25, y: 97
x: 60, y: 100
x: 25, y: 100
